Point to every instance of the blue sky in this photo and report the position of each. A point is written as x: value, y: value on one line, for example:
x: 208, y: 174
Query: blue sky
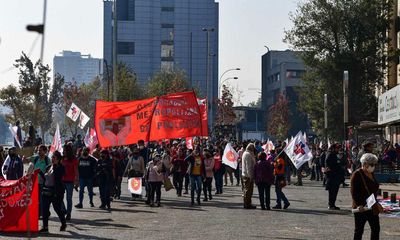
x: 77, y: 25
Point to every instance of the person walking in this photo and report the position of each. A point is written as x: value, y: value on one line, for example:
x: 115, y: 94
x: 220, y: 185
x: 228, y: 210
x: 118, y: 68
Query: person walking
x: 196, y: 171
x: 263, y: 175
x: 155, y: 178
x: 53, y: 192
x: 87, y: 172
x: 105, y: 177
x: 208, y: 176
x: 13, y: 167
x: 280, y: 182
x: 178, y: 171
x: 135, y: 167
x: 70, y: 178
x: 363, y: 184
x: 334, y: 175
x: 248, y: 162
x: 219, y: 171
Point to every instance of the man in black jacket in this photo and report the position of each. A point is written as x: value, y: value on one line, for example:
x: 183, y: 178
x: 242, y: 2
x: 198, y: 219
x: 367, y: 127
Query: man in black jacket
x: 334, y: 175
x: 13, y: 168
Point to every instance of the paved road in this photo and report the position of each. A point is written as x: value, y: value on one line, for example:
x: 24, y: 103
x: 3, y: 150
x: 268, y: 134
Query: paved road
x: 222, y: 218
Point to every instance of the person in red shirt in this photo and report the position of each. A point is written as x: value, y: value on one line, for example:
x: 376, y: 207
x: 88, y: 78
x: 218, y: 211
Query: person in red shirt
x: 70, y: 178
x: 178, y: 170
x: 218, y: 170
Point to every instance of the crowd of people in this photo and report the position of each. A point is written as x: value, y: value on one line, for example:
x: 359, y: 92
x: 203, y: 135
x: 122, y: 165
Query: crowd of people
x: 79, y: 167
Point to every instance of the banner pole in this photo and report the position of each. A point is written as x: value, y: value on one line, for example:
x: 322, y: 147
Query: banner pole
x: 28, y: 193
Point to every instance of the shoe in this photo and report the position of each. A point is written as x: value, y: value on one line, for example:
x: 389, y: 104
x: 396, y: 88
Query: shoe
x: 210, y: 197
x: 250, y: 207
x: 268, y: 208
x: 237, y: 184
x: 102, y: 207
x: 108, y: 207
x: 345, y: 185
x: 198, y: 201
x: 91, y: 204
x: 63, y: 227
x: 192, y: 203
x: 205, y: 200
x: 151, y: 204
x: 68, y: 217
x: 286, y: 206
x: 79, y: 205
x: 186, y: 192
x: 216, y: 193
x: 158, y: 204
x: 277, y: 207
x: 263, y: 208
x: 334, y: 208
x: 44, y: 230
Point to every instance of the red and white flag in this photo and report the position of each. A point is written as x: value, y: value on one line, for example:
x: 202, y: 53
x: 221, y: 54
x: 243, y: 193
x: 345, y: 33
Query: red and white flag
x: 90, y: 139
x: 189, y: 142
x: 73, y: 112
x: 135, y: 185
x: 83, y: 119
x: 56, y: 145
x: 230, y: 156
x: 298, y: 151
x: 268, y: 146
x: 13, y: 131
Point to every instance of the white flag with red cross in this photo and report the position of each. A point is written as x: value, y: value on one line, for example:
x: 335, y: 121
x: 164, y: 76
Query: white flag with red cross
x: 56, y: 145
x: 230, y: 156
x: 135, y: 185
x: 73, y: 112
x: 298, y: 151
x: 83, y: 119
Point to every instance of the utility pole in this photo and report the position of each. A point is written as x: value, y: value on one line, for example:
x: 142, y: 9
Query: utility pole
x: 114, y: 64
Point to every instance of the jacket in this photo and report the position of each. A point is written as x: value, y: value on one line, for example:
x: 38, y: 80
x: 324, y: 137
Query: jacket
x: 263, y: 172
x: 191, y: 160
x: 279, y: 167
x: 358, y: 189
x: 248, y: 162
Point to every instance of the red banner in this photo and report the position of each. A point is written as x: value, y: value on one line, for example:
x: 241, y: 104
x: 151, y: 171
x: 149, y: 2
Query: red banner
x: 19, y: 207
x: 171, y: 116
x: 204, y: 117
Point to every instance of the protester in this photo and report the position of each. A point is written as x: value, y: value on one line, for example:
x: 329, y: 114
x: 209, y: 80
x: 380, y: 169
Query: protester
x: 280, y: 182
x: 208, y: 166
x: 248, y: 161
x: 41, y: 161
x: 87, y: 172
x: 196, y: 171
x: 363, y: 184
x: 119, y: 169
x: 178, y: 170
x: 135, y: 167
x: 334, y: 175
x: 53, y: 192
x: 155, y: 179
x: 219, y: 170
x: 105, y: 177
x: 13, y: 167
x: 263, y: 175
x: 70, y: 178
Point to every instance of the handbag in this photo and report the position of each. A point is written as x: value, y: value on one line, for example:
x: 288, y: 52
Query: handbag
x: 168, y: 185
x: 376, y: 208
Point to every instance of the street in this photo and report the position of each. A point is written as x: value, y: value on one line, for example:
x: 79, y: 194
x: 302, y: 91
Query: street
x: 221, y: 218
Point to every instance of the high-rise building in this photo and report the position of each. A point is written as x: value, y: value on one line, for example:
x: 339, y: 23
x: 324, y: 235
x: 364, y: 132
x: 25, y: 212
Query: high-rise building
x: 76, y: 67
x: 155, y: 35
x: 281, y: 73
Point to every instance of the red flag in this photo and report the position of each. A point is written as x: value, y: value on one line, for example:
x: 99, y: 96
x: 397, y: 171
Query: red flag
x: 170, y: 116
x: 15, y: 200
x: 204, y: 117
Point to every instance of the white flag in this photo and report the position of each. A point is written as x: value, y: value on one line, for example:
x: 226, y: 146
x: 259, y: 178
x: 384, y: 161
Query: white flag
x: 287, y: 141
x: 83, y: 119
x: 230, y: 156
x: 73, y: 112
x: 135, y: 185
x: 56, y: 145
x: 305, y: 136
x: 329, y: 143
x: 13, y: 131
x: 298, y: 151
x: 320, y: 145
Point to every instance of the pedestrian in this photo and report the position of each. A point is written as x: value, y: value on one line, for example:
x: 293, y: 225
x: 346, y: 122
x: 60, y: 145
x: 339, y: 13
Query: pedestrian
x: 263, y: 175
x: 87, y: 172
x: 70, y: 178
x: 105, y: 177
x: 334, y: 175
x: 119, y: 169
x: 155, y: 178
x: 178, y: 171
x: 53, y: 192
x: 135, y: 167
x: 13, y: 167
x: 219, y: 170
x: 280, y: 182
x: 196, y: 171
x: 248, y: 162
x: 208, y: 175
x: 317, y: 162
x: 363, y: 184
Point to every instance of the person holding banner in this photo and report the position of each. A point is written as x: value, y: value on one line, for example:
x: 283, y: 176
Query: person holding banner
x: 135, y: 167
x: 13, y: 167
x: 155, y: 178
x: 53, y: 192
x: 363, y: 185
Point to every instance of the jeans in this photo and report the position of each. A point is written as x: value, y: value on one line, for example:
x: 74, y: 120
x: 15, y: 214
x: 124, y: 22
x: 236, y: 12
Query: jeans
x: 195, y: 184
x: 85, y: 182
x: 57, y: 202
x: 155, y: 189
x: 207, y: 187
x: 248, y: 186
x: 178, y: 182
x: 264, y: 194
x: 219, y: 180
x: 69, y: 189
x: 360, y: 219
x: 187, y: 181
x: 318, y: 173
x: 237, y: 175
x: 333, y: 192
x: 104, y: 188
x: 280, y: 196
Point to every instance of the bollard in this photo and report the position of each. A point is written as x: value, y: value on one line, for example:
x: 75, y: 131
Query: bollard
x: 385, y: 195
x: 393, y: 198
x: 379, y: 192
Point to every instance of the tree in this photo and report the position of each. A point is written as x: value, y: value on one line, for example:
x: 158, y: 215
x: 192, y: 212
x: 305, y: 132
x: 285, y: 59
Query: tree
x: 127, y: 87
x: 166, y: 82
x: 279, y: 114
x: 255, y: 104
x: 225, y: 113
x: 333, y: 36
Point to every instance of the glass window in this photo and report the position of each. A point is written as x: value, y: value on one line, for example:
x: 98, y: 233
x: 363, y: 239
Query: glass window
x: 167, y: 50
x: 126, y: 10
x: 126, y: 48
x: 167, y: 34
x: 290, y: 74
x: 167, y: 9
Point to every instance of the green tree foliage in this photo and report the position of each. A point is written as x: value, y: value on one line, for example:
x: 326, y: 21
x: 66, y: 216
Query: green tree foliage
x: 225, y: 112
x: 337, y: 35
x: 127, y: 85
x: 255, y: 104
x: 166, y: 82
x: 279, y: 115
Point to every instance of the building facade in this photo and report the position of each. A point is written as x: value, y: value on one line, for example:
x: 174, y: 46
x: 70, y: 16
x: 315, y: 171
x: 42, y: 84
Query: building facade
x: 155, y: 35
x: 281, y: 73
x: 76, y: 67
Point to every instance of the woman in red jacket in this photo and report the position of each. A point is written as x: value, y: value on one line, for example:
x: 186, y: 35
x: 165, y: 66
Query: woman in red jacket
x: 70, y: 178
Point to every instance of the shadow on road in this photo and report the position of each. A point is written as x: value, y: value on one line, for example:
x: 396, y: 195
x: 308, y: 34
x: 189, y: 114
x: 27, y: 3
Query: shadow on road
x: 316, y: 212
x: 71, y: 235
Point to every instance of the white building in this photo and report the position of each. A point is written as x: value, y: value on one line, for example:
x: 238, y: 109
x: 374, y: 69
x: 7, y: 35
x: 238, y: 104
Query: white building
x: 76, y: 67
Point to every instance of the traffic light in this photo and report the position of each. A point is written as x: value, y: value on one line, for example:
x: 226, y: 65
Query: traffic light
x: 36, y: 28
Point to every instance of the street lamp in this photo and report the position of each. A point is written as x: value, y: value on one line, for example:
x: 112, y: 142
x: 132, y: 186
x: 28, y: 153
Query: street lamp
x: 232, y: 69
x: 209, y: 97
x: 226, y: 79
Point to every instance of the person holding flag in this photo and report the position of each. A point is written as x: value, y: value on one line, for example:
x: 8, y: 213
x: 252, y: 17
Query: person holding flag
x: 280, y: 182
